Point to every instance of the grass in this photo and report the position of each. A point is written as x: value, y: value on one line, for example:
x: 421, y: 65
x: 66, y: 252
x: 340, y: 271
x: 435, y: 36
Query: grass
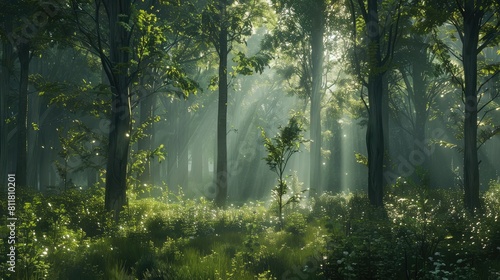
x: 420, y: 234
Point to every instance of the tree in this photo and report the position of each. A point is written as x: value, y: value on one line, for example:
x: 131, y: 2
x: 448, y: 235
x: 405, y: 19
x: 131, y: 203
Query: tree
x: 128, y: 39
x: 477, y: 24
x: 7, y: 64
x: 116, y: 67
x: 299, y: 35
x: 279, y: 151
x: 376, y: 64
x: 116, y: 63
x: 416, y: 83
x: 26, y: 26
x: 225, y: 24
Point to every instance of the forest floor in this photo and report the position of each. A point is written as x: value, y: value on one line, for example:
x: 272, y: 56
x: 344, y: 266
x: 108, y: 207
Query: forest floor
x: 419, y: 234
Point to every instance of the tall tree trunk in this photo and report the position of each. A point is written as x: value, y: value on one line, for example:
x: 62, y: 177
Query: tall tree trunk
x: 197, y: 163
x: 144, y: 144
x: 420, y: 101
x: 469, y: 54
x: 318, y: 27
x: 221, y: 169
x: 172, y: 143
x: 183, y: 140
x: 22, y: 115
x: 375, y: 133
x: 6, y: 72
x: 120, y: 126
x: 33, y: 137
x: 385, y: 126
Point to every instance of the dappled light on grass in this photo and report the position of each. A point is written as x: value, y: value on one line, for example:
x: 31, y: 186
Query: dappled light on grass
x: 424, y: 233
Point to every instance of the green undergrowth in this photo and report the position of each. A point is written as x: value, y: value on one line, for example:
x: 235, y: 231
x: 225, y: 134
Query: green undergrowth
x: 419, y: 234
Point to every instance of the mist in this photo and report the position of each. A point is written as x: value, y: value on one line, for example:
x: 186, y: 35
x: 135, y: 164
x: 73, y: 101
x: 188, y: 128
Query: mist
x: 281, y: 139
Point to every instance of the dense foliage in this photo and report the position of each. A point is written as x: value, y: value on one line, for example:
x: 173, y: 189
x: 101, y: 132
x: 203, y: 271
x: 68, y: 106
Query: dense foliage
x: 131, y: 139
x: 420, y: 234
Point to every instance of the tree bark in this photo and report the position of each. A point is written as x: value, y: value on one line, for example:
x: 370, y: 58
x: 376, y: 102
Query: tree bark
x: 375, y: 133
x: 172, y: 146
x: 7, y: 65
x: 221, y: 169
x: 22, y: 115
x: 120, y: 125
x: 197, y: 162
x: 144, y: 144
x: 469, y: 54
x: 183, y: 141
x: 318, y: 27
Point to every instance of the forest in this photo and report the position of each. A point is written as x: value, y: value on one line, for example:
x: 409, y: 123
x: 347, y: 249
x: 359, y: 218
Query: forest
x: 250, y: 139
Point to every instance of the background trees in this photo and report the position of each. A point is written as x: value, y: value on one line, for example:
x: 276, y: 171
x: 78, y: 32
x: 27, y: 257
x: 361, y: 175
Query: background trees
x: 128, y: 117
x: 299, y: 36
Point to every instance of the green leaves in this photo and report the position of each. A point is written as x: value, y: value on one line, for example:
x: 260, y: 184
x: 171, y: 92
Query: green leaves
x: 238, y: 18
x: 279, y: 151
x: 361, y: 159
x: 250, y: 65
x: 281, y: 147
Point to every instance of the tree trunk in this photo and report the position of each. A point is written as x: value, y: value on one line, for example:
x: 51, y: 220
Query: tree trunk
x: 172, y: 143
x: 375, y: 133
x: 144, y: 144
x: 22, y: 115
x: 317, y: 31
x: 385, y: 126
x: 469, y: 54
x: 197, y: 163
x: 183, y: 140
x: 33, y: 137
x: 120, y: 126
x: 6, y: 72
x: 221, y: 169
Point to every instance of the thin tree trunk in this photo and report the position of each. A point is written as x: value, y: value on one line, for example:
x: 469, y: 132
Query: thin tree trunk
x: 144, y: 144
x: 22, y: 115
x: 197, y: 163
x: 221, y: 169
x: 318, y: 27
x: 34, y: 142
x: 183, y: 140
x: 172, y: 144
x: 7, y: 65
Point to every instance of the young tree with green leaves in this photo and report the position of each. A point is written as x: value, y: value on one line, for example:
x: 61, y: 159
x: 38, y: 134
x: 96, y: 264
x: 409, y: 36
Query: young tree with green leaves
x: 280, y: 149
x: 300, y: 36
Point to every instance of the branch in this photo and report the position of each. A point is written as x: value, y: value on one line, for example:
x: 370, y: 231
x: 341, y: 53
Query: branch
x: 357, y: 66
